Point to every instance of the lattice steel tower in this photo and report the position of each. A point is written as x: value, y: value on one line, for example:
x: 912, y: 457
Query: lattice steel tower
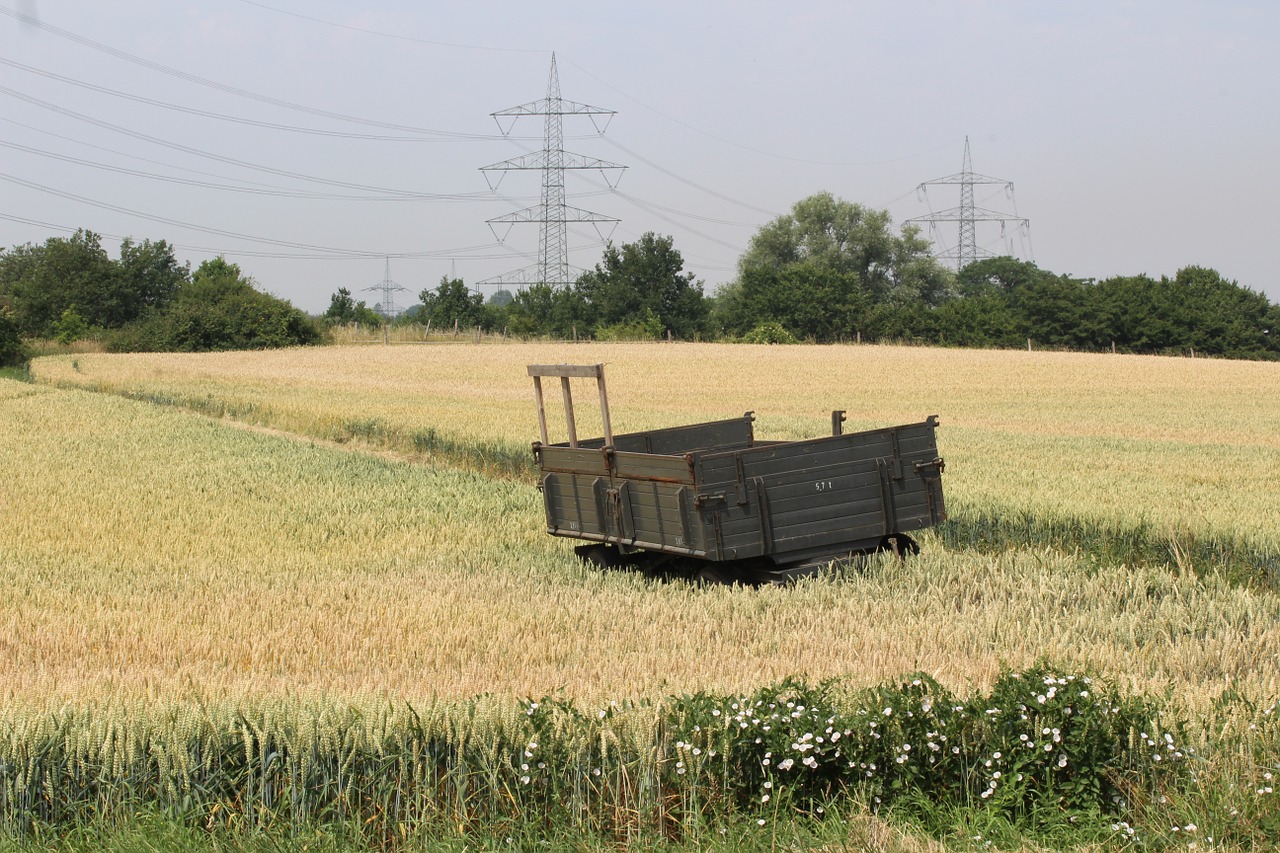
x: 388, y: 288
x: 967, y: 214
x: 552, y: 214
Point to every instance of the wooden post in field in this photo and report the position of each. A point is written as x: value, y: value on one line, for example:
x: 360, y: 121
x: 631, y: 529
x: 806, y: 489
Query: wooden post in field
x: 386, y: 334
x: 455, y: 327
x: 1028, y: 344
x: 428, y: 331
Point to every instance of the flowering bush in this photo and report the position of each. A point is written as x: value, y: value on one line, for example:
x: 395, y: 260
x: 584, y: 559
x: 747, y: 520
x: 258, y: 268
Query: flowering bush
x: 1039, y: 738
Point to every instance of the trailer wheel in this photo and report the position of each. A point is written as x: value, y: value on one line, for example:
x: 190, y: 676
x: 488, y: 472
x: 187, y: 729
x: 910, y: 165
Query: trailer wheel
x: 599, y: 556
x: 713, y: 574
x: 900, y: 545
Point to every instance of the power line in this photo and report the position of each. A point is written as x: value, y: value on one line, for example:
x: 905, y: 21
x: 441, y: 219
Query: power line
x: 186, y: 149
x: 249, y: 190
x: 398, y: 36
x: 325, y: 251
x: 116, y: 93
x: 221, y: 87
x: 469, y: 253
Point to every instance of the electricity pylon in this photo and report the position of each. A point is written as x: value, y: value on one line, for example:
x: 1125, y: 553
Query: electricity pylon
x: 552, y: 214
x: 387, y: 304
x: 967, y: 214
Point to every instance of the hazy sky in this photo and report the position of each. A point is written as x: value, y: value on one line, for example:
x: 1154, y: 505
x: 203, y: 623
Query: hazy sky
x: 306, y: 141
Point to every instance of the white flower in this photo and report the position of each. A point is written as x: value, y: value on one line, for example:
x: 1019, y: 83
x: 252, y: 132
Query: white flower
x: 786, y: 764
x: 760, y: 821
x: 888, y: 712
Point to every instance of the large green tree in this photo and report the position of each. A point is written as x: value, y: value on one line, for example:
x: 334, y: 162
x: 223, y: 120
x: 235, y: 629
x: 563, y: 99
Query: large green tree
x: 822, y: 269
x: 344, y: 309
x: 148, y: 277
x: 545, y: 310
x: 645, y: 279
x: 221, y: 309
x: 453, y: 303
x: 1198, y: 309
x: 44, y: 282
x: 11, y: 349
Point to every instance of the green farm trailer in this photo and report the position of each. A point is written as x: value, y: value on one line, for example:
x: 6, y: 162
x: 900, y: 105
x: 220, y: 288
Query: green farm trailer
x: 712, y: 502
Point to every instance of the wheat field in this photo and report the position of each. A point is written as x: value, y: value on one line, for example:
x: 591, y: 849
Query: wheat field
x: 152, y: 552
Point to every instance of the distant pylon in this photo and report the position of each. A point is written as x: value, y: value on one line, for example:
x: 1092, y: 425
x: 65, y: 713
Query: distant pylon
x: 552, y: 214
x: 967, y: 214
x: 387, y: 304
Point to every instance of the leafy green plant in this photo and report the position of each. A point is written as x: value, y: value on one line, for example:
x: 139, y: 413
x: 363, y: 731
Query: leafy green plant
x: 70, y: 327
x: 769, y: 333
x: 12, y: 350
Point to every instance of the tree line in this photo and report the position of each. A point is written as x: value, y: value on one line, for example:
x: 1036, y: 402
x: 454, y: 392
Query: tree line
x: 829, y: 271
x: 834, y: 271
x: 69, y: 288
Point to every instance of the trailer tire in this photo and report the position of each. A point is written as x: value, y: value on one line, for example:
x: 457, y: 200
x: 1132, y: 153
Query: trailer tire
x: 900, y: 545
x: 599, y: 556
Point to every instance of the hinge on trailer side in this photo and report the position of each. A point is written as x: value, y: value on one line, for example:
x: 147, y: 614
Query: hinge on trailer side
x: 938, y: 465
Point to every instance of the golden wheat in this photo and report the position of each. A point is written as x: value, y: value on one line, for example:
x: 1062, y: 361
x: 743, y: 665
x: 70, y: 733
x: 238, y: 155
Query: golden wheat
x: 1175, y: 444
x: 149, y: 554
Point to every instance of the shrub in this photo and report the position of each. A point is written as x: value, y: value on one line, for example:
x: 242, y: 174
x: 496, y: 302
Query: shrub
x: 70, y: 327
x: 12, y: 350
x: 769, y: 333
